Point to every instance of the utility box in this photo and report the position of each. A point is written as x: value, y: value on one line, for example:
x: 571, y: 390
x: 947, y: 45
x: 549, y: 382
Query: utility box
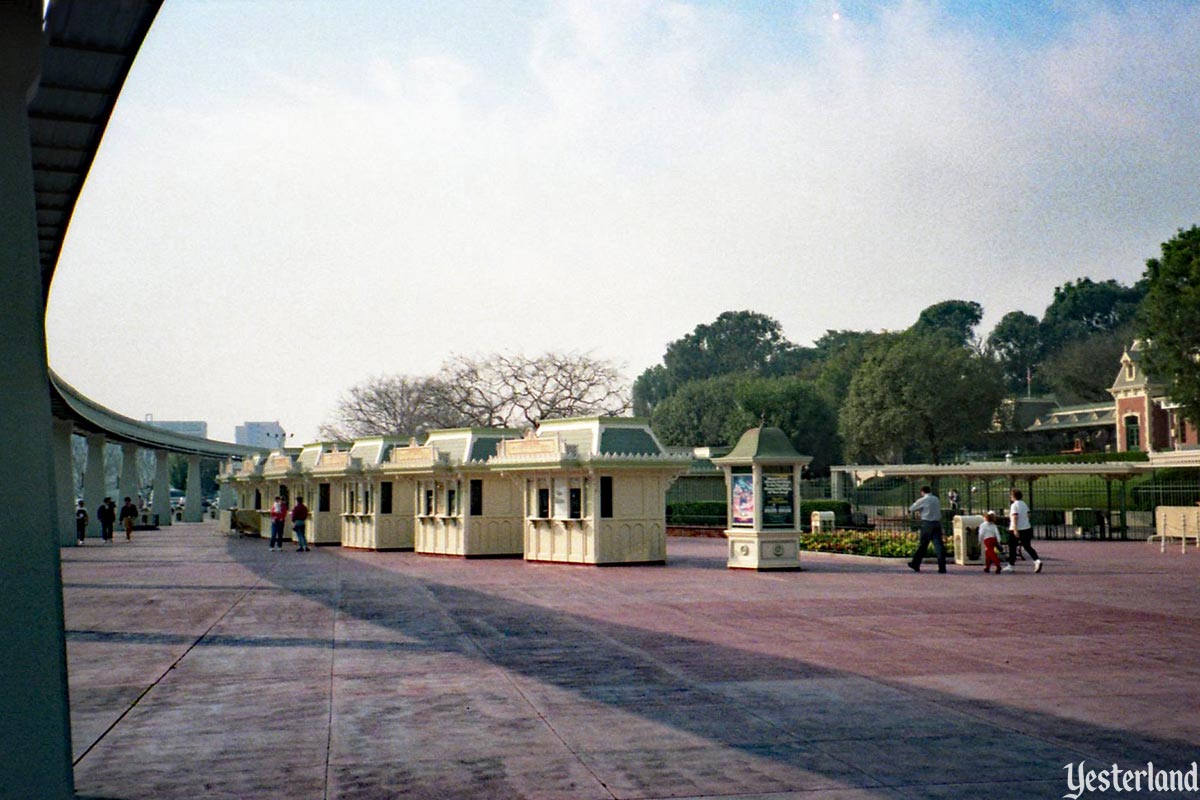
x: 822, y: 521
x: 966, y: 539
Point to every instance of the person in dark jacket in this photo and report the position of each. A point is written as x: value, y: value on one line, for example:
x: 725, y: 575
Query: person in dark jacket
x: 299, y: 523
x: 106, y: 515
x: 129, y: 515
x: 81, y: 521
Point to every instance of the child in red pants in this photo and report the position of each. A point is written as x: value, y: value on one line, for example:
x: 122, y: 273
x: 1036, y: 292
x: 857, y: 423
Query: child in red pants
x: 989, y: 538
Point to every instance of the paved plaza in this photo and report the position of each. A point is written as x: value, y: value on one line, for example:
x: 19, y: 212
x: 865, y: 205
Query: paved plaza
x: 202, y: 665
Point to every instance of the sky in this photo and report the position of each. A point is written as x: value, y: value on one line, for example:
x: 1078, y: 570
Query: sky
x: 294, y: 197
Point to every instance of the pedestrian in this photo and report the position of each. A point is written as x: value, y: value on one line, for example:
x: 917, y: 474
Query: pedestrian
x: 989, y: 537
x: 299, y: 522
x: 930, y: 508
x: 129, y: 514
x: 81, y: 522
x: 279, y: 514
x: 1021, y: 533
x: 106, y: 516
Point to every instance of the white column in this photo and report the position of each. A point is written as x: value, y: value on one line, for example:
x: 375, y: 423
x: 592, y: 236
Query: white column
x: 35, y: 735
x: 93, y: 480
x: 162, y: 488
x: 129, y: 474
x: 191, y: 504
x: 64, y: 482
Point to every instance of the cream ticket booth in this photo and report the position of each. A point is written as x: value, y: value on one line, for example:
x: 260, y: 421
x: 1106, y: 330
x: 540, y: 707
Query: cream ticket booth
x: 462, y: 507
x: 381, y: 499
x: 324, y: 510
x: 332, y: 468
x: 762, y: 478
x: 594, y: 490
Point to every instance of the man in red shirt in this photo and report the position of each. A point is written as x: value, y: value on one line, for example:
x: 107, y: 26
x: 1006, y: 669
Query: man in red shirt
x: 299, y: 521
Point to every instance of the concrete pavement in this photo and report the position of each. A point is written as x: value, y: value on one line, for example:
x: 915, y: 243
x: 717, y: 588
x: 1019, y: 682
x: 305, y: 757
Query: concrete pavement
x: 205, y: 666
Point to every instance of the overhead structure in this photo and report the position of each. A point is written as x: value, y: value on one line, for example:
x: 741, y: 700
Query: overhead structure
x: 90, y: 47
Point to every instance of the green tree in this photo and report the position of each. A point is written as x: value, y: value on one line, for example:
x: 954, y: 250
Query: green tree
x: 649, y: 389
x: 955, y: 318
x: 838, y: 356
x: 1085, y: 307
x: 922, y: 391
x: 1169, y: 321
x: 735, y: 342
x: 697, y: 414
x: 793, y: 405
x: 1016, y: 343
x: 1082, y: 370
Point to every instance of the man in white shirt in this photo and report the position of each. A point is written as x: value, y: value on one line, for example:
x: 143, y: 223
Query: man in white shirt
x: 930, y: 509
x: 1020, y: 533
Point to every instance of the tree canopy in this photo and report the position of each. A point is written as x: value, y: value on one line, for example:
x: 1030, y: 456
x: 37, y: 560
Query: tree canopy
x: 735, y: 342
x: 1169, y: 321
x: 919, y: 390
x: 1085, y: 307
x: 954, y: 318
x: 1016, y: 343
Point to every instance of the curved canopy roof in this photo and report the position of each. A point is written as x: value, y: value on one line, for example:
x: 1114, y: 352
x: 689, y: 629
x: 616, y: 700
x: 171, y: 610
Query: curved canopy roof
x: 90, y: 416
x: 90, y: 47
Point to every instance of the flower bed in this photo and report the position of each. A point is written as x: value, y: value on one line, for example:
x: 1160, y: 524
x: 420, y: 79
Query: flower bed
x: 885, y: 544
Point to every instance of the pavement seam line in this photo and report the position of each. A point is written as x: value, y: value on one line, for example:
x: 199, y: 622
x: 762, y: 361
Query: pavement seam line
x: 337, y: 608
x: 167, y: 671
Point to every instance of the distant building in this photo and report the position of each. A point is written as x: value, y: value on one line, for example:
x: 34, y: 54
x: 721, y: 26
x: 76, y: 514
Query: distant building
x: 187, y: 427
x: 1139, y: 417
x: 260, y: 434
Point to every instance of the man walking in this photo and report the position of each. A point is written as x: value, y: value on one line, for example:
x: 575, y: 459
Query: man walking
x: 930, y: 509
x: 1020, y: 533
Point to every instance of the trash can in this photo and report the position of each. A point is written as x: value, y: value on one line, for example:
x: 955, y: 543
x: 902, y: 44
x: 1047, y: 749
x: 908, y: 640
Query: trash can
x: 966, y: 539
x: 822, y: 521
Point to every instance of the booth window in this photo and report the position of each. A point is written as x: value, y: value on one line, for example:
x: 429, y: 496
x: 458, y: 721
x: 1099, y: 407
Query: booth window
x: 543, y: 502
x: 323, y: 497
x: 606, y: 496
x: 258, y: 499
x: 427, y: 504
x: 476, y: 497
x: 575, y: 509
x: 452, y: 500
x: 368, y: 500
x: 385, y: 497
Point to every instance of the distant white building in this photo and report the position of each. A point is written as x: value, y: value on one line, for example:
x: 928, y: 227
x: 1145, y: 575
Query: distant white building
x: 260, y: 434
x: 187, y: 427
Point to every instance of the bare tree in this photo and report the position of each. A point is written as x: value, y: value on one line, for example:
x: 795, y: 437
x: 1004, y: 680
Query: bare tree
x: 518, y: 390
x: 495, y: 390
x: 393, y: 404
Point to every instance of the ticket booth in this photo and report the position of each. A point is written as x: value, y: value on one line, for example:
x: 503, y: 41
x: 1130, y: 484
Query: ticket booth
x: 762, y: 477
x: 331, y: 468
x: 593, y: 490
x: 461, y: 506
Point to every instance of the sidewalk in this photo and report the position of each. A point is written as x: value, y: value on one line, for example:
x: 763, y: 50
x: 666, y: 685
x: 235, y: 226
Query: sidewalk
x: 206, y: 666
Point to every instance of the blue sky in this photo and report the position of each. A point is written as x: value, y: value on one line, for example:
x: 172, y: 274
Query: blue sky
x: 308, y: 194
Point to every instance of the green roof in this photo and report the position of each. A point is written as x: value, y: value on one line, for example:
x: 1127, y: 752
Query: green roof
x: 627, y: 442
x: 763, y: 444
